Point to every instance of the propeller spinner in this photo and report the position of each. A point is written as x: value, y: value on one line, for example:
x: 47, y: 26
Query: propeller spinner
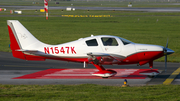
x: 167, y: 51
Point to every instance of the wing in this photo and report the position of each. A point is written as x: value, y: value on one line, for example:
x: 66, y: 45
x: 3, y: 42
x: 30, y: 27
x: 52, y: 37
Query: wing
x: 104, y: 58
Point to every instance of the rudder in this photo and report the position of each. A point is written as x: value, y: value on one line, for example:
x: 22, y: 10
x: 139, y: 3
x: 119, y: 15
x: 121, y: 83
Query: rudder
x: 14, y: 43
x: 22, y: 39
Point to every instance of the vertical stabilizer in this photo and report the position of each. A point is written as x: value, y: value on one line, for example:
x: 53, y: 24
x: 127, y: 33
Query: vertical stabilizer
x: 21, y: 39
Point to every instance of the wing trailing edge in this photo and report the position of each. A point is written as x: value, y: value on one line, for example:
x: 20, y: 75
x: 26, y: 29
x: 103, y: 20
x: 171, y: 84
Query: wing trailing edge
x: 104, y: 58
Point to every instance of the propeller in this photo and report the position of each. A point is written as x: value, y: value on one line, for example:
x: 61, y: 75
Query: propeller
x: 165, y: 54
x: 167, y: 51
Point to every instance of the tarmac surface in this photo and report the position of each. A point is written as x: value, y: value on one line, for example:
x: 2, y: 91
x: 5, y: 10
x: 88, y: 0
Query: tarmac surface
x: 11, y: 67
x: 146, y: 9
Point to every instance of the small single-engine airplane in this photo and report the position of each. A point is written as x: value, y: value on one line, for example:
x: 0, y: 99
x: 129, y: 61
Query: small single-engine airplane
x: 97, y: 50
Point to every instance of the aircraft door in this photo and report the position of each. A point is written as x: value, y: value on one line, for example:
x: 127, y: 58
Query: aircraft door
x: 93, y: 45
x: 110, y: 45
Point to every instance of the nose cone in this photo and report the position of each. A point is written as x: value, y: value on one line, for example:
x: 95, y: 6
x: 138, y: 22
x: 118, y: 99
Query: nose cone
x: 168, y: 51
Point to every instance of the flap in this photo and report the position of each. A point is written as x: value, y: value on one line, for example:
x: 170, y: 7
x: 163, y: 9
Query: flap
x: 105, y: 57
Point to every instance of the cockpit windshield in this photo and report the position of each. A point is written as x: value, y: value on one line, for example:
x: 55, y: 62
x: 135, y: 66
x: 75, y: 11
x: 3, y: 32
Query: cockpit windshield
x: 125, y: 41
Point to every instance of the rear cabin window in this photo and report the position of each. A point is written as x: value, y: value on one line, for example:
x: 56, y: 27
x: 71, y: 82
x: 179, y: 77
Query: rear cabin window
x: 92, y: 42
x: 109, y: 41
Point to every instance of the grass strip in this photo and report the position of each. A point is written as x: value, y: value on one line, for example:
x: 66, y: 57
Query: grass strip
x: 88, y: 92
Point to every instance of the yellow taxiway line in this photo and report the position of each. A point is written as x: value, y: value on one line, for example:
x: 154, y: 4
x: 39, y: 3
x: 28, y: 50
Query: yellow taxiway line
x: 172, y: 77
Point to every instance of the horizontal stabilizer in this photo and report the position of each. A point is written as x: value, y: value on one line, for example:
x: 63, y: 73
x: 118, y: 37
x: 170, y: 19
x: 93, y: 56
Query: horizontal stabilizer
x: 22, y: 50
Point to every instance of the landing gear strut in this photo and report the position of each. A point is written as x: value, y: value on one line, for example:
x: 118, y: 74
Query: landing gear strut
x: 151, y: 65
x: 151, y: 73
x: 103, y: 72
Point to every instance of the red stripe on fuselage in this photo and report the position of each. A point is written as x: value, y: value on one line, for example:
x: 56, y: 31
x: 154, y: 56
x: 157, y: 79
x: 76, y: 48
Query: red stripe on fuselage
x: 69, y: 59
x: 142, y: 56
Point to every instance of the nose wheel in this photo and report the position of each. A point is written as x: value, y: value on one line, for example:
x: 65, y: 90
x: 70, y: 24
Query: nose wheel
x: 151, y: 73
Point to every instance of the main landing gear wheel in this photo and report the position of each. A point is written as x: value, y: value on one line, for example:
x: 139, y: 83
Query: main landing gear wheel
x: 105, y: 73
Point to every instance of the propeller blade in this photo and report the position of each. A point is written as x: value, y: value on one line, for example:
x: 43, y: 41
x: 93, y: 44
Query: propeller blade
x: 165, y: 63
x: 167, y: 44
x: 165, y: 53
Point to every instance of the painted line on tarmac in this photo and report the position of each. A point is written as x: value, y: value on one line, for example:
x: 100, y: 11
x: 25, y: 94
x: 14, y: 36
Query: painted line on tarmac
x: 169, y: 80
x: 83, y: 74
x: 86, y: 15
x: 25, y: 66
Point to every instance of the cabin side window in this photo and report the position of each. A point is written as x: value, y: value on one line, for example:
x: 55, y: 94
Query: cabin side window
x: 107, y: 41
x: 92, y: 42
